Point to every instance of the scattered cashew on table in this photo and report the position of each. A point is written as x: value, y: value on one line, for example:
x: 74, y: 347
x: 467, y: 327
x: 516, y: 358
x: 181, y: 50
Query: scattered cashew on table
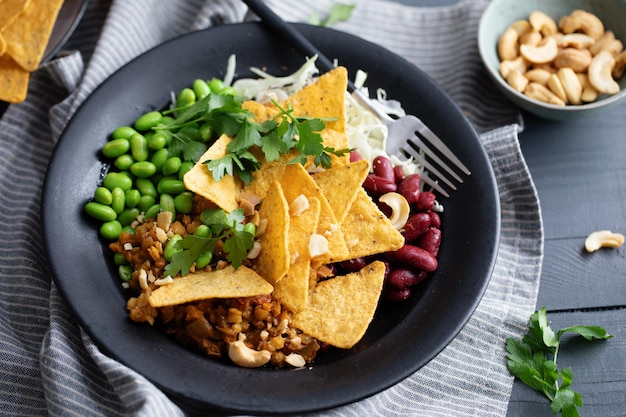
x: 572, y: 61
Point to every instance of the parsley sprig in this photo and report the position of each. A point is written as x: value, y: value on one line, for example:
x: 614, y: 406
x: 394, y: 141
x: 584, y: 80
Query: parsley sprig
x: 533, y: 360
x: 275, y: 137
x: 227, y: 228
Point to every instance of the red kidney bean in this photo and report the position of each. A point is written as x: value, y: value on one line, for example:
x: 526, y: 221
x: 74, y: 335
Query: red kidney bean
x: 382, y: 167
x: 430, y: 240
x: 396, y: 295
x: 352, y: 265
x: 410, y: 188
x: 425, y: 201
x: 355, y: 156
x: 376, y: 185
x: 398, y: 174
x: 416, y: 257
x: 400, y: 278
x: 435, y: 220
x: 415, y: 226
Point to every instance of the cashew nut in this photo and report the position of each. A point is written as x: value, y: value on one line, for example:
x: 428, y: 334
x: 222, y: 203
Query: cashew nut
x: 542, y: 93
x: 620, y: 65
x: 538, y: 75
x: 589, y: 94
x: 400, y: 209
x: 532, y: 38
x: 519, y: 64
x: 571, y: 85
x: 600, y: 73
x: 517, y: 80
x: 554, y: 84
x: 546, y: 51
x: 576, y: 40
x: 242, y: 355
x: 603, y: 239
x: 583, y: 21
x: 520, y: 26
x: 543, y: 23
x: 507, y: 45
x: 576, y: 59
x: 602, y: 42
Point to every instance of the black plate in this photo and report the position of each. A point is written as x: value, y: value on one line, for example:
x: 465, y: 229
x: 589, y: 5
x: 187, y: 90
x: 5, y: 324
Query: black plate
x: 400, y: 340
x: 68, y: 18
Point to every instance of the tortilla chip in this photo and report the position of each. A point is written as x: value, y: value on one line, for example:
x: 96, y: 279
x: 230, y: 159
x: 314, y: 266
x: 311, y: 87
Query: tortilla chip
x: 10, y: 9
x: 13, y: 80
x: 367, y: 230
x: 261, y: 112
x: 295, y: 181
x: 225, y: 192
x: 27, y: 35
x: 273, y: 261
x: 340, y: 309
x: 340, y: 185
x: 293, y: 289
x: 325, y: 98
x: 222, y: 283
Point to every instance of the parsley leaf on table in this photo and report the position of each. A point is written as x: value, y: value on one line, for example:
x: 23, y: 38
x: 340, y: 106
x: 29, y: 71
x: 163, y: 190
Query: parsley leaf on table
x: 225, y: 227
x: 339, y: 12
x: 532, y: 360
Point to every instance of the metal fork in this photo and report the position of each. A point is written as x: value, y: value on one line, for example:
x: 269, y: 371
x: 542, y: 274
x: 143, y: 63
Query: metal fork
x: 404, y: 133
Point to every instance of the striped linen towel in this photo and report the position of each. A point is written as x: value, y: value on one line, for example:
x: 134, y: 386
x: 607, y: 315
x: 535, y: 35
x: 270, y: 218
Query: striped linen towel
x: 49, y: 366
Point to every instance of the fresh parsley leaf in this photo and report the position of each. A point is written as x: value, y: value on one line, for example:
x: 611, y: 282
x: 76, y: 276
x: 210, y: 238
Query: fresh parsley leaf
x: 225, y: 227
x: 532, y: 359
x: 185, y: 146
x: 339, y: 12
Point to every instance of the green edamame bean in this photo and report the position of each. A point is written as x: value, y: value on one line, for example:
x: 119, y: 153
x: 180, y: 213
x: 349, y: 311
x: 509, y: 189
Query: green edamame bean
x: 171, y: 165
x: 119, y: 200
x: 159, y: 158
x: 186, y: 97
x: 169, y: 185
x: 146, y: 187
x: 100, y: 211
x: 228, y: 91
x: 132, y: 198
x: 116, y: 147
x: 148, y: 120
x: 111, y: 230
x: 119, y: 259
x: 145, y: 202
x: 129, y: 229
x: 166, y: 120
x: 204, y: 259
x: 123, y: 132
x: 216, y: 85
x: 152, y: 211
x: 250, y: 228
x: 201, y: 88
x: 157, y: 141
x: 171, y: 248
x: 190, y: 132
x: 128, y: 216
x: 139, y: 147
x: 166, y: 202
x: 143, y: 169
x: 123, y: 162
x: 185, y: 167
x: 206, y: 132
x: 103, y: 195
x: 184, y: 202
x: 117, y: 179
x: 125, y: 272
x: 202, y: 231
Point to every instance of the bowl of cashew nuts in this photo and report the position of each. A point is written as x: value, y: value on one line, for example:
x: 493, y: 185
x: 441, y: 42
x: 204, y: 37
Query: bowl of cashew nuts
x: 558, y: 59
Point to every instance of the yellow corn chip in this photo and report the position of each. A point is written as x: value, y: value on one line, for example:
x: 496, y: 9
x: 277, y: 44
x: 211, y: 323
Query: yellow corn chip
x: 295, y: 181
x: 10, y: 9
x: 367, y: 230
x: 221, y: 283
x: 340, y: 185
x: 225, y: 192
x: 27, y: 35
x: 261, y: 112
x: 325, y: 98
x: 340, y: 309
x: 293, y: 289
x: 13, y: 80
x: 273, y: 261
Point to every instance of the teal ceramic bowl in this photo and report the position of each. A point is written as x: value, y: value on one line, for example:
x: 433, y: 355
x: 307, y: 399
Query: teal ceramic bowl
x: 499, y: 14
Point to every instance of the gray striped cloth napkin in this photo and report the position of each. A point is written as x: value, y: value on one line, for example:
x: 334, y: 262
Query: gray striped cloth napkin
x: 49, y: 366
